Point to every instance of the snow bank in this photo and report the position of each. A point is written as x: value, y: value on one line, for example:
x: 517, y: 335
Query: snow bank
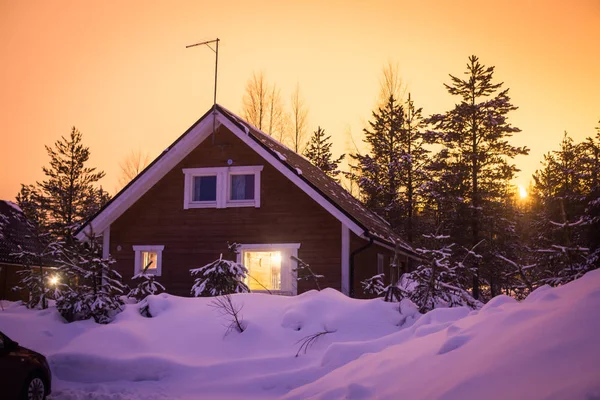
x: 545, y: 347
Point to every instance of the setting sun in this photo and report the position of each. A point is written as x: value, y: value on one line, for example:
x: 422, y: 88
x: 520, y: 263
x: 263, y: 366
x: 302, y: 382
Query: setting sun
x: 522, y: 192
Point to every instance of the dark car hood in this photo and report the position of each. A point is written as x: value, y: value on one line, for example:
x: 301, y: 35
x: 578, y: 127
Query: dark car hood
x: 26, y: 352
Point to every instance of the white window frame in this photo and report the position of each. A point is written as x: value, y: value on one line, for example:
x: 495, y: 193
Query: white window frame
x: 223, y: 175
x: 138, y: 267
x: 380, y: 263
x: 289, y: 276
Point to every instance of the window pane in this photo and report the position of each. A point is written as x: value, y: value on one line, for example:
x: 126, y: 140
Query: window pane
x: 205, y: 188
x: 150, y: 260
x: 242, y: 187
x: 264, y: 269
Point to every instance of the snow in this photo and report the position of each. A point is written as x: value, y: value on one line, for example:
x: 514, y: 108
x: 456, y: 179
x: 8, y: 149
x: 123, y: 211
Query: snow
x: 298, y: 171
x: 545, y: 347
x: 14, y: 206
x: 281, y: 156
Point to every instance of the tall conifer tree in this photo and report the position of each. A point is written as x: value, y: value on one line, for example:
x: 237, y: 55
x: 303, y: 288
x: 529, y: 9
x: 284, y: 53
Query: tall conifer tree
x: 319, y: 153
x: 475, y: 134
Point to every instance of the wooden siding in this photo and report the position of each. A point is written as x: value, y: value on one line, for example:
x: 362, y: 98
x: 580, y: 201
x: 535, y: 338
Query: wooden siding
x: 9, y: 279
x: 365, y: 263
x: 195, y: 237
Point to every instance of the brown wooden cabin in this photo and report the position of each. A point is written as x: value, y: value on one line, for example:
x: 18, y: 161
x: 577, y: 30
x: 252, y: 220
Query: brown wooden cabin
x: 240, y: 185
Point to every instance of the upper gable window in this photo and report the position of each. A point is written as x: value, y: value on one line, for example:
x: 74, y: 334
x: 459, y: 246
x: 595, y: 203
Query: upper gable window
x: 205, y: 188
x: 222, y: 187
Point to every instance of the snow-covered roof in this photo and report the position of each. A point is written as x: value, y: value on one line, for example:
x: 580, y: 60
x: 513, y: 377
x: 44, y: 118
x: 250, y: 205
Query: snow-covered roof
x: 326, y: 191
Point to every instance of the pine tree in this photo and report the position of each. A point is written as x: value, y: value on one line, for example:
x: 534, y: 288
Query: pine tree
x: 476, y: 152
x: 379, y: 172
x: 318, y: 152
x: 68, y: 196
x: 220, y: 277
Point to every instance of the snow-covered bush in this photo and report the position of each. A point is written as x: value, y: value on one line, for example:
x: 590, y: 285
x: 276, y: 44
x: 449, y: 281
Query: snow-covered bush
x: 437, y: 280
x: 90, y: 287
x: 218, y: 278
x: 373, y: 286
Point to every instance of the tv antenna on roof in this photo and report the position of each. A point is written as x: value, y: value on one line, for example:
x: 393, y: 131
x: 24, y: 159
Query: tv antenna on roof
x: 216, y: 51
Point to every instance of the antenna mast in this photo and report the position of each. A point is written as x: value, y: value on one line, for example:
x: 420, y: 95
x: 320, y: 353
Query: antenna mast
x: 216, y: 51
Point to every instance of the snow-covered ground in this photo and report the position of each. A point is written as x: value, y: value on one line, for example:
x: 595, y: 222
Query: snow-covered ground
x: 546, y: 347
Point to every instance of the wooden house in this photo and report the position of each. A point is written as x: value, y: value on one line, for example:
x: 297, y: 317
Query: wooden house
x: 237, y: 184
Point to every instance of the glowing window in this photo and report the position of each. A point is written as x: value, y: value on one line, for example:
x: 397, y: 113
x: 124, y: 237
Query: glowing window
x: 148, y: 256
x: 264, y: 269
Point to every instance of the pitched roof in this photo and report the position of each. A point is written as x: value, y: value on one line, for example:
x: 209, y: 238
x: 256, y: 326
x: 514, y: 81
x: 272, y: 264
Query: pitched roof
x: 312, y: 180
x: 17, y: 235
x: 373, y: 224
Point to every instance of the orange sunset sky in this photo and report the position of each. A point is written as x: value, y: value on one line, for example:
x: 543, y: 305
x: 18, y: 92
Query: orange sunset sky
x: 119, y: 70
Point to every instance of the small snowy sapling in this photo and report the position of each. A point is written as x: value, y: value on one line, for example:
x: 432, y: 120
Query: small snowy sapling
x: 218, y: 278
x: 305, y: 273
x: 147, y: 285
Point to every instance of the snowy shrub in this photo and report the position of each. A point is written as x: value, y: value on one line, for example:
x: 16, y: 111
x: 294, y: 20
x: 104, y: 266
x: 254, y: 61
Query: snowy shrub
x: 437, y: 281
x: 219, y: 278
x: 92, y: 289
x: 373, y: 286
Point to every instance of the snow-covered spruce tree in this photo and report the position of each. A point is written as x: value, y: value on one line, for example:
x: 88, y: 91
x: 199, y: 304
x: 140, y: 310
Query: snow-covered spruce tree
x: 90, y: 287
x: 476, y: 151
x: 591, y: 176
x: 438, y: 282
x: 147, y: 285
x: 34, y: 278
x: 218, y: 278
x: 374, y: 285
x: 560, y: 196
x: 319, y: 153
x: 68, y: 196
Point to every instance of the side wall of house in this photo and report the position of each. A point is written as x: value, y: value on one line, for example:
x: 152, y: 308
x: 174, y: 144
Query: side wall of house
x: 365, y: 263
x: 9, y: 279
x: 195, y: 237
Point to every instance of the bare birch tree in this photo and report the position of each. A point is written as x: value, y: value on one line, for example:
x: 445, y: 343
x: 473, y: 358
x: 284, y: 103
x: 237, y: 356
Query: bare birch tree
x: 132, y: 165
x: 299, y: 116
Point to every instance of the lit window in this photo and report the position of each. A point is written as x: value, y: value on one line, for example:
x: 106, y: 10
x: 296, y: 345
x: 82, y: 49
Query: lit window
x: 264, y: 269
x: 150, y: 257
x: 222, y: 187
x: 242, y: 187
x: 149, y: 260
x: 270, y: 266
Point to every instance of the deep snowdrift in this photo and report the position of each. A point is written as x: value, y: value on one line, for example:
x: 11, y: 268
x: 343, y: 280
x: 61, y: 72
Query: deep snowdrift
x: 546, y: 347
